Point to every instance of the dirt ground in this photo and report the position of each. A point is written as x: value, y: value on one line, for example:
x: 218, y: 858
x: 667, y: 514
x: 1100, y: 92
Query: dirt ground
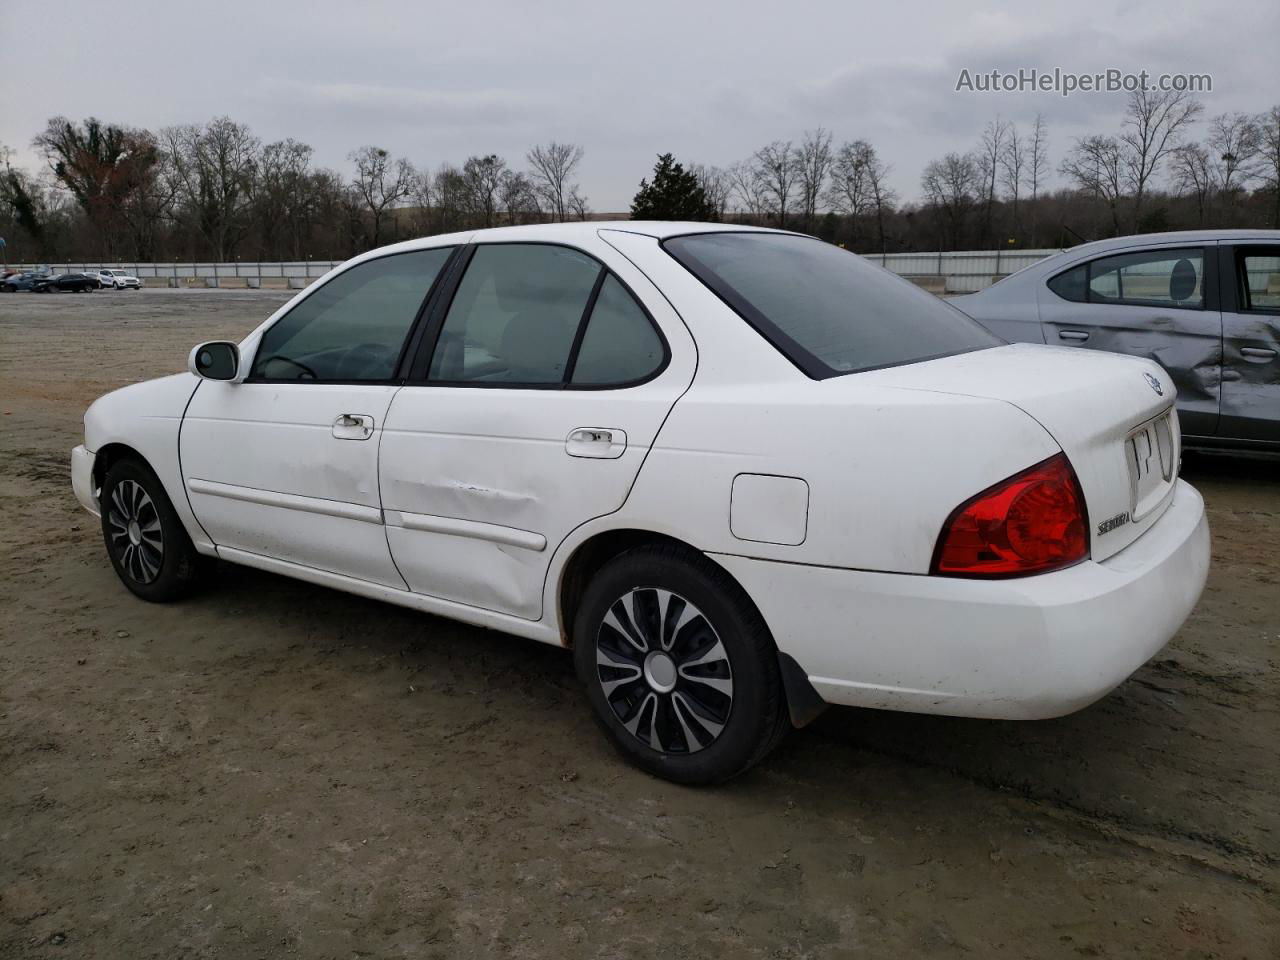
x: 272, y: 769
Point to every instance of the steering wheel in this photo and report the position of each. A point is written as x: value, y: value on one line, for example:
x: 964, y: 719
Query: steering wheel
x: 307, y: 372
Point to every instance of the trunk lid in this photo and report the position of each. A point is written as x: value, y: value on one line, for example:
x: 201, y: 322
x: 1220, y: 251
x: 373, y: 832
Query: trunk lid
x: 1112, y: 415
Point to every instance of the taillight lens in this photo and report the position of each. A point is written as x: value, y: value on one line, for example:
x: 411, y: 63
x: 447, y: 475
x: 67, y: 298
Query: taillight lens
x: 1033, y: 522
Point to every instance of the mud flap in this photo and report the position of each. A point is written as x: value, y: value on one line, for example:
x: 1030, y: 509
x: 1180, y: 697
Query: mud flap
x: 803, y: 701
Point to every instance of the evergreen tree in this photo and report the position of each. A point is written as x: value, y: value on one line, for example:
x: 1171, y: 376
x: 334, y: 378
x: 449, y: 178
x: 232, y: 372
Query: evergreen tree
x: 674, y: 194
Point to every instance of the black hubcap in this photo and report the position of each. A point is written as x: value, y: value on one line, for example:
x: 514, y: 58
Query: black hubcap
x: 133, y: 527
x: 664, y: 671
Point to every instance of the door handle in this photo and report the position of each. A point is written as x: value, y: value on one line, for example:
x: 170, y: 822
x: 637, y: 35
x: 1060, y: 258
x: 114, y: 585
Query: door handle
x: 602, y: 443
x: 1257, y: 354
x: 353, y: 426
x: 1078, y: 336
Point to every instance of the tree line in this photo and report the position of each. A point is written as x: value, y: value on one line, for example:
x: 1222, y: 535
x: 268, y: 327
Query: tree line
x: 215, y: 191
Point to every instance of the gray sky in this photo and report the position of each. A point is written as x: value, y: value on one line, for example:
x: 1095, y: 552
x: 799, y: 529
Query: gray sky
x: 705, y: 79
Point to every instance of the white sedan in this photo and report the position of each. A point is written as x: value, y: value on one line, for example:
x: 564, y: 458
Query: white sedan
x: 741, y: 473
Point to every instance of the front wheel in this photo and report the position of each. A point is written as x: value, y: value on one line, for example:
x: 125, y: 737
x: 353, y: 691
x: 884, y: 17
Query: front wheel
x: 148, y: 546
x: 680, y: 668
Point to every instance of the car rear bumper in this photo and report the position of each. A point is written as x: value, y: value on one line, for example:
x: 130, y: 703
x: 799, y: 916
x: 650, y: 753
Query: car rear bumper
x: 82, y: 479
x: 1026, y: 648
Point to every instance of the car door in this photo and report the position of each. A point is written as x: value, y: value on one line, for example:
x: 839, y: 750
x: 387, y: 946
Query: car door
x: 285, y: 463
x: 549, y: 372
x: 1251, y: 342
x: 1158, y: 302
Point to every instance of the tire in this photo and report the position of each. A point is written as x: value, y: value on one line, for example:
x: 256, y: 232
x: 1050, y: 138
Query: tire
x: 155, y: 559
x: 696, y: 701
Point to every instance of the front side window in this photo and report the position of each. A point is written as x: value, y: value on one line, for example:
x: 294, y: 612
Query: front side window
x: 353, y: 328
x: 827, y: 310
x: 1260, y: 276
x: 541, y: 315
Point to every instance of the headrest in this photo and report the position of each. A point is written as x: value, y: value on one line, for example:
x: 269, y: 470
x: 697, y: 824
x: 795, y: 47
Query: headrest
x: 1182, y: 282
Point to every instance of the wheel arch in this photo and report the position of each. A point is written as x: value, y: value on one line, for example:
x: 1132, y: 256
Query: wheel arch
x: 802, y: 700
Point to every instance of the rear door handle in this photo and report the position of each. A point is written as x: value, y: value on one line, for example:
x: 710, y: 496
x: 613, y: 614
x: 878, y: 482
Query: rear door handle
x: 1077, y: 335
x: 353, y: 426
x: 1258, y: 354
x: 601, y: 443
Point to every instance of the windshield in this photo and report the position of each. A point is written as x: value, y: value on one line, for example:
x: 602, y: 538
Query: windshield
x: 827, y: 310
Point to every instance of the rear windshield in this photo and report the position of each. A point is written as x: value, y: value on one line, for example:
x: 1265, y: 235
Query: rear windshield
x: 827, y: 310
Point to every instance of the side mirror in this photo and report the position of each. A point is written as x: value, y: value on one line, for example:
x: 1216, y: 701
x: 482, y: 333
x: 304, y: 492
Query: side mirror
x: 215, y: 360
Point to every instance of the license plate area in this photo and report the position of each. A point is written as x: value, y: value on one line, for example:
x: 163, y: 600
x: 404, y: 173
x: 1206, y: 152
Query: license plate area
x: 1152, y: 453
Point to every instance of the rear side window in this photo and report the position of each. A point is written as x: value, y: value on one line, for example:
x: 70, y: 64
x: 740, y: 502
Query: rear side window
x: 827, y: 310
x: 1261, y: 281
x: 352, y: 329
x: 1146, y: 278
x: 620, y: 344
x: 1072, y: 285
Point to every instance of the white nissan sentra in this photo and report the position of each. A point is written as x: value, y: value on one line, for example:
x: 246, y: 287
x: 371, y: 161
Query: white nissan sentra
x: 741, y: 473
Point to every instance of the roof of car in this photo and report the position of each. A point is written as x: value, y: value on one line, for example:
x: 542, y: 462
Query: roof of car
x: 576, y: 231
x: 1176, y: 236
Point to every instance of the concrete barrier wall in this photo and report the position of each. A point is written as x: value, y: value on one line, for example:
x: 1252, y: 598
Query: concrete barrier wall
x: 962, y: 271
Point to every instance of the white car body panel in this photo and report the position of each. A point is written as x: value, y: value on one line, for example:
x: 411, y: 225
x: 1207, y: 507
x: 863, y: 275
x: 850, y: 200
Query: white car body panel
x: 497, y: 466
x: 244, y: 444
x: 823, y: 498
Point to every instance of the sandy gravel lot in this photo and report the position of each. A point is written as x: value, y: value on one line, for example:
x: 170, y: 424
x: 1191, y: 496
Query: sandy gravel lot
x: 274, y: 770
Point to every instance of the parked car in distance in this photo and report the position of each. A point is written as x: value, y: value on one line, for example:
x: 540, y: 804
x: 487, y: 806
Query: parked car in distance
x: 23, y: 281
x: 1203, y: 304
x: 119, y: 280
x: 65, y: 283
x: 742, y: 473
x: 95, y: 282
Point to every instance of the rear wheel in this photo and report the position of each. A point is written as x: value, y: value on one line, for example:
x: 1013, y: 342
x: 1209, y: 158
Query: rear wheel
x: 680, y: 669
x: 148, y: 546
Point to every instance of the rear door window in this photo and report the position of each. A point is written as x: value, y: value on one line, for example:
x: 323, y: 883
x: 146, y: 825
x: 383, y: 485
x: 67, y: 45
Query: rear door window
x: 544, y: 315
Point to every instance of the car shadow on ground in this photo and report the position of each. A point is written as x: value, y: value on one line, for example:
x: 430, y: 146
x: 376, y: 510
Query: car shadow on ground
x: 1103, y: 762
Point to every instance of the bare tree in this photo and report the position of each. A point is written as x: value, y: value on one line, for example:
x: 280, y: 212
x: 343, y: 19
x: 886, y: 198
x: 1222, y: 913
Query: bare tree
x: 1038, y: 157
x: 517, y: 197
x: 813, y: 163
x: 450, y: 192
x: 1154, y: 124
x: 552, y: 168
x: 1235, y: 142
x: 717, y: 184
x: 213, y: 169
x: 1193, y: 174
x: 776, y: 167
x: 1269, y: 157
x: 578, y: 205
x: 990, y: 151
x: 748, y: 186
x: 850, y: 189
x: 382, y: 184
x: 281, y: 196
x: 882, y: 195
x: 1013, y: 170
x: 1097, y: 166
x: 952, y: 185
x: 483, y: 179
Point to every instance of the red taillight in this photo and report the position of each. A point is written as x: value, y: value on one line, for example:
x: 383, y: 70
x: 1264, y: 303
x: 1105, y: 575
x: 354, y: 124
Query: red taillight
x: 1032, y: 522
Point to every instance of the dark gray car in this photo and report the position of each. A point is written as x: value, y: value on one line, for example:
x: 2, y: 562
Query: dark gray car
x: 1203, y: 304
